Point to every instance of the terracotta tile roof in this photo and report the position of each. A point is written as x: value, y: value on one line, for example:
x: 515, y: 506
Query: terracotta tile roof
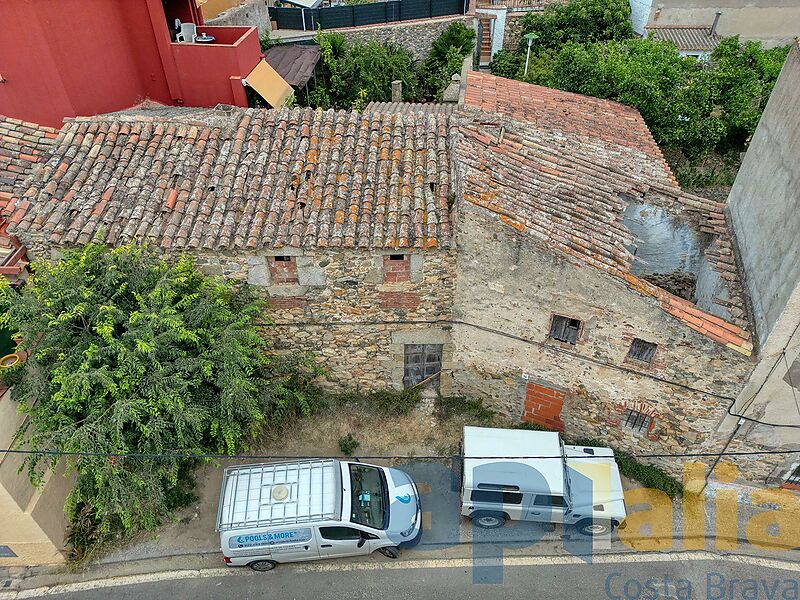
x: 555, y: 110
x: 242, y: 178
x: 685, y: 37
x: 22, y: 145
x: 404, y: 108
x: 568, y: 185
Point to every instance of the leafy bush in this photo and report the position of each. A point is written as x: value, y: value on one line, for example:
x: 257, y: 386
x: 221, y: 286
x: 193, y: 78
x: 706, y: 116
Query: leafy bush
x: 445, y: 59
x: 507, y: 64
x: 348, y: 444
x: 131, y: 354
x: 471, y: 409
x: 356, y: 73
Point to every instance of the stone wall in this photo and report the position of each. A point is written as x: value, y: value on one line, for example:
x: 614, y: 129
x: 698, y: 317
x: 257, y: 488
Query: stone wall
x: 507, y: 290
x: 342, y: 309
x: 251, y: 13
x: 417, y: 36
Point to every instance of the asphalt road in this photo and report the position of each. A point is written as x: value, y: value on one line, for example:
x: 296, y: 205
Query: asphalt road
x: 658, y: 577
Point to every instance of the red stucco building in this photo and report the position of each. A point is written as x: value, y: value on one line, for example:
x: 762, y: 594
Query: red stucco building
x: 64, y: 58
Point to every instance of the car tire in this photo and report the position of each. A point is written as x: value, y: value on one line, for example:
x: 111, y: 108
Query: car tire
x: 489, y: 520
x: 594, y: 528
x: 390, y: 551
x: 262, y: 565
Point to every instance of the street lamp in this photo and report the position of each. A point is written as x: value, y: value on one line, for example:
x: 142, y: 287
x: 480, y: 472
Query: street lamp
x: 530, y: 37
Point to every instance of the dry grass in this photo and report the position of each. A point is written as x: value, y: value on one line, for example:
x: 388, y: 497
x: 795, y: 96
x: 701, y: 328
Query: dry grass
x: 418, y: 433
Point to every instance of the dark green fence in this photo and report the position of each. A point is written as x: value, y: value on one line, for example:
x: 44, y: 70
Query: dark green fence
x: 332, y: 17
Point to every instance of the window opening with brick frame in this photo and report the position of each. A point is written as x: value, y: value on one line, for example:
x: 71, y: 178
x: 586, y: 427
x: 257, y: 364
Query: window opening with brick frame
x: 642, y: 351
x: 565, y: 329
x: 421, y: 362
x: 793, y: 477
x: 283, y: 270
x: 396, y: 268
x: 637, y: 421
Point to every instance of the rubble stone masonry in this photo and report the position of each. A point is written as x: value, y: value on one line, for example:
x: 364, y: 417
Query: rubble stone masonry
x: 343, y: 307
x: 507, y: 291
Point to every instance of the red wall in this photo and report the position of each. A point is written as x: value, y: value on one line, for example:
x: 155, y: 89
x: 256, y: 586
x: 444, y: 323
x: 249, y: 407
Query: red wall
x: 65, y: 58
x: 76, y: 57
x: 204, y: 70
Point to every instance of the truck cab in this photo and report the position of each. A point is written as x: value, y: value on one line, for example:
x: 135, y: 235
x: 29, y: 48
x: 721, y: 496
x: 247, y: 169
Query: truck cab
x: 521, y: 475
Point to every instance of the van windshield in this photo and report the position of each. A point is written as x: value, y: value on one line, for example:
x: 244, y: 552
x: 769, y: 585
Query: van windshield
x: 370, y: 496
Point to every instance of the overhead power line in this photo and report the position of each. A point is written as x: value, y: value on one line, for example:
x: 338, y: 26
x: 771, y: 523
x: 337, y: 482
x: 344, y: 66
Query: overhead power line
x: 184, y: 456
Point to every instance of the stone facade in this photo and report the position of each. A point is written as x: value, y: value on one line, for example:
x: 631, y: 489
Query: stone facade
x: 508, y: 289
x: 417, y: 36
x: 344, y: 308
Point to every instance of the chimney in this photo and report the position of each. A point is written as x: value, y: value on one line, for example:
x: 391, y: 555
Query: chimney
x: 717, y: 15
x: 397, y: 91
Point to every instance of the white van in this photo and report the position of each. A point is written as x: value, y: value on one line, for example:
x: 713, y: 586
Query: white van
x: 310, y: 509
x: 550, y: 482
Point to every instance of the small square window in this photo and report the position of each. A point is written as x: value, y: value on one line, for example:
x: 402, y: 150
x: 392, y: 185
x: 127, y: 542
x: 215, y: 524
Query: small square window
x: 565, y: 329
x: 396, y: 268
x: 283, y: 270
x: 642, y: 350
x: 397, y: 257
x: 638, y: 421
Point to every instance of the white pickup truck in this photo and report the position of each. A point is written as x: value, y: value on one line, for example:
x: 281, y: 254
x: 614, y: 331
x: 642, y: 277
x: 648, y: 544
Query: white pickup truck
x: 513, y: 474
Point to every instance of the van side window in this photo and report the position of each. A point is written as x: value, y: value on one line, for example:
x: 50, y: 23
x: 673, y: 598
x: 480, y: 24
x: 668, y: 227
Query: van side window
x: 340, y: 533
x: 495, y: 497
x: 543, y: 500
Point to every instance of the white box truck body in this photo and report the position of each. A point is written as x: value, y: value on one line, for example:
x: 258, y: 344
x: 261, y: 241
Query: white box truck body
x: 312, y: 509
x: 514, y: 474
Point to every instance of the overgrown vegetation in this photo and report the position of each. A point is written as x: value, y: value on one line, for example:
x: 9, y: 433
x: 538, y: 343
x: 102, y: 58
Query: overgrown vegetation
x: 472, y: 410
x: 357, y: 73
x: 130, y: 354
x: 384, y: 402
x: 587, y: 46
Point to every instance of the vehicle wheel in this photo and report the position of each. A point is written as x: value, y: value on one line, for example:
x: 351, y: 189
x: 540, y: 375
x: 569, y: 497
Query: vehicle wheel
x: 390, y: 551
x: 489, y: 520
x: 262, y: 565
x: 594, y: 528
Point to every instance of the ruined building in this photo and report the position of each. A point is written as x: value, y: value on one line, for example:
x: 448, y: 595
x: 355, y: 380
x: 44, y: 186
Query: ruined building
x: 530, y: 247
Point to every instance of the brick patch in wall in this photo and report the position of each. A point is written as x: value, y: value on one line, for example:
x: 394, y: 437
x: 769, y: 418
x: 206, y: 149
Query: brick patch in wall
x: 409, y: 300
x: 543, y: 406
x: 396, y: 268
x: 287, y: 302
x: 283, y: 270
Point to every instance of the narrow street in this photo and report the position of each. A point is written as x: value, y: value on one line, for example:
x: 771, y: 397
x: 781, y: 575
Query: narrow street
x: 650, y: 576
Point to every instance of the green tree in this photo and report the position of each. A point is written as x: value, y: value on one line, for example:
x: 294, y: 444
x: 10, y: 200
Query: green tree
x: 740, y: 80
x: 131, y: 354
x: 579, y: 21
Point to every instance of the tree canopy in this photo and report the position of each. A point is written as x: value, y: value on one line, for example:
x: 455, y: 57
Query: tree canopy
x: 132, y: 354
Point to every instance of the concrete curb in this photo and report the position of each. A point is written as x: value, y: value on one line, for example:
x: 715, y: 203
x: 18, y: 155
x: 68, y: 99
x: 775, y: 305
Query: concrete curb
x: 43, y: 589
x: 20, y: 579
